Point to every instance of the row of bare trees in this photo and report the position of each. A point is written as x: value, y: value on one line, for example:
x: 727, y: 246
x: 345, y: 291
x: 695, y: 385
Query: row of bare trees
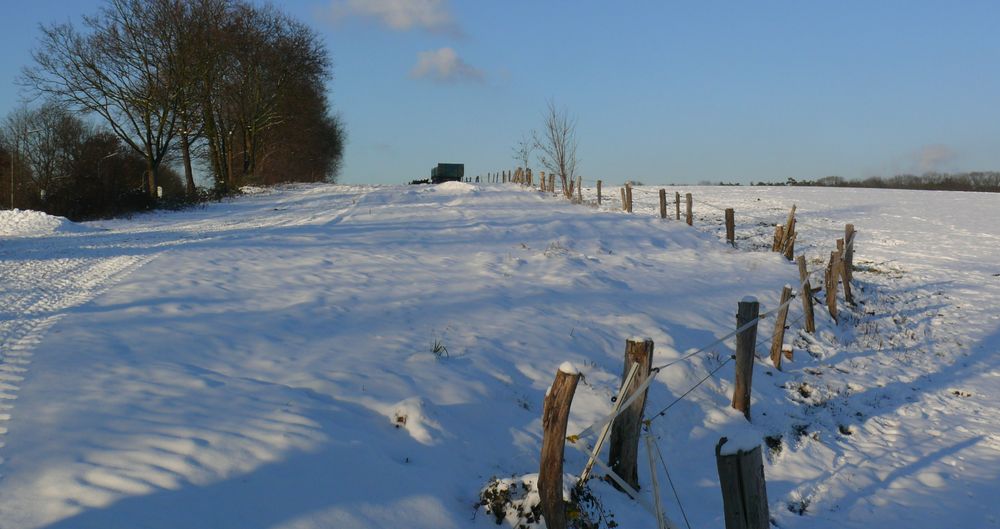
x: 227, y: 85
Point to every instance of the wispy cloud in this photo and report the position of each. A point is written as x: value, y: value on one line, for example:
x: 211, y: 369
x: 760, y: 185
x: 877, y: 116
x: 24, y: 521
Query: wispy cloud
x: 444, y: 66
x: 400, y: 15
x: 934, y: 158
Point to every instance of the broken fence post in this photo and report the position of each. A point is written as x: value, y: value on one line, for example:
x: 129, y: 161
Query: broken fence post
x: 778, y: 339
x: 745, y: 345
x: 555, y: 414
x: 744, y: 489
x: 623, y: 452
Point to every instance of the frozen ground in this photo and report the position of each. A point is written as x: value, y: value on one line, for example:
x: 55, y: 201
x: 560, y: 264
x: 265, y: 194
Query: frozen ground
x: 269, y: 362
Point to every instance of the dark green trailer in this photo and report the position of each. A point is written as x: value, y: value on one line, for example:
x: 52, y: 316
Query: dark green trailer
x: 447, y: 172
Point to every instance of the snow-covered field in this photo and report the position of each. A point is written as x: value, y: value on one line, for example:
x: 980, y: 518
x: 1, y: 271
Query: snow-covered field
x: 361, y: 357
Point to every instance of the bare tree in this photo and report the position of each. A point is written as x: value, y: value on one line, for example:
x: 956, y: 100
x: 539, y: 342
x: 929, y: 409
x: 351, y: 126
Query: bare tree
x: 523, y: 150
x: 558, y: 146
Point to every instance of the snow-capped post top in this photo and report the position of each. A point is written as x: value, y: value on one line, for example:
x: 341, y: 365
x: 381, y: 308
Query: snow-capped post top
x: 739, y: 439
x: 640, y: 339
x: 749, y: 299
x: 569, y: 368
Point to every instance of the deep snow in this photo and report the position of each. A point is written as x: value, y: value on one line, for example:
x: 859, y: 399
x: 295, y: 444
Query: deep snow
x: 353, y: 356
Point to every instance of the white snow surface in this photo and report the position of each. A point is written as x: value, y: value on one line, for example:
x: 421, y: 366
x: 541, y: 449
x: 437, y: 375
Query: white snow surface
x: 361, y: 356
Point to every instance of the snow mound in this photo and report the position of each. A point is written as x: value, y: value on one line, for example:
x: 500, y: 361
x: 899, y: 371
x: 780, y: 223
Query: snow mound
x: 26, y: 223
x: 455, y: 187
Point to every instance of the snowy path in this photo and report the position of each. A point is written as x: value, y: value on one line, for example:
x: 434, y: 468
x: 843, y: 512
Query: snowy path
x: 246, y: 365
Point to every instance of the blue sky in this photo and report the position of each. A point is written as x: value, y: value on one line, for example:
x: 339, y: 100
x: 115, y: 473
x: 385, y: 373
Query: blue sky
x: 664, y: 92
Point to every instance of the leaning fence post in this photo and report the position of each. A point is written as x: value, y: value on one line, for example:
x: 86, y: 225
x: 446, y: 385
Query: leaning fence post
x: 778, y: 339
x: 807, y: 295
x: 663, y: 203
x: 623, y: 451
x: 677, y: 203
x: 555, y: 414
x: 745, y: 344
x: 731, y: 226
x: 598, y: 192
x: 744, y: 490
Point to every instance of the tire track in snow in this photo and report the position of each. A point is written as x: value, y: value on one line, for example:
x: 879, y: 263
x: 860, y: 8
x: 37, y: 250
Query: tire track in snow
x: 36, y: 296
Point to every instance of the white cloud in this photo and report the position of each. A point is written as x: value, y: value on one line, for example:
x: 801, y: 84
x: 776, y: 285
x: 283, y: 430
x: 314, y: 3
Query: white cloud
x: 445, y: 66
x: 400, y: 15
x: 934, y: 157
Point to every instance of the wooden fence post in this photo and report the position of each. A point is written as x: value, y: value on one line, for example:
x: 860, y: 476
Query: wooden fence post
x: 623, y: 452
x: 807, y: 295
x: 848, y: 295
x: 745, y: 345
x: 555, y: 414
x: 849, y: 233
x: 624, y: 203
x: 744, y: 490
x: 731, y: 226
x: 598, y: 192
x: 832, y: 275
x: 663, y: 203
x: 677, y: 203
x: 628, y: 197
x: 579, y: 188
x: 778, y: 339
x: 779, y: 235
x: 552, y: 182
x: 690, y: 203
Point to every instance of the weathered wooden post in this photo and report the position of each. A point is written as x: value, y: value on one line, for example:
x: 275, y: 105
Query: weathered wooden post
x: 677, y: 203
x: 624, y: 203
x: 849, y: 233
x: 598, y: 192
x: 628, y: 197
x: 744, y: 489
x: 779, y: 236
x: 807, y: 295
x: 690, y: 203
x: 745, y: 345
x: 731, y: 226
x: 778, y: 339
x: 832, y: 275
x: 663, y: 203
x: 624, y: 448
x: 552, y: 182
x: 555, y: 414
x: 848, y: 295
x: 579, y: 189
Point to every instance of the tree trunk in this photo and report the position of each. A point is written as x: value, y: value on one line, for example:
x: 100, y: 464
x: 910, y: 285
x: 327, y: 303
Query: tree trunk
x: 188, y: 172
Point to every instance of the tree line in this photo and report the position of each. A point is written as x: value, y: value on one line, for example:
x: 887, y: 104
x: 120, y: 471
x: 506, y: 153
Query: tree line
x: 234, y: 89
x: 981, y: 181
